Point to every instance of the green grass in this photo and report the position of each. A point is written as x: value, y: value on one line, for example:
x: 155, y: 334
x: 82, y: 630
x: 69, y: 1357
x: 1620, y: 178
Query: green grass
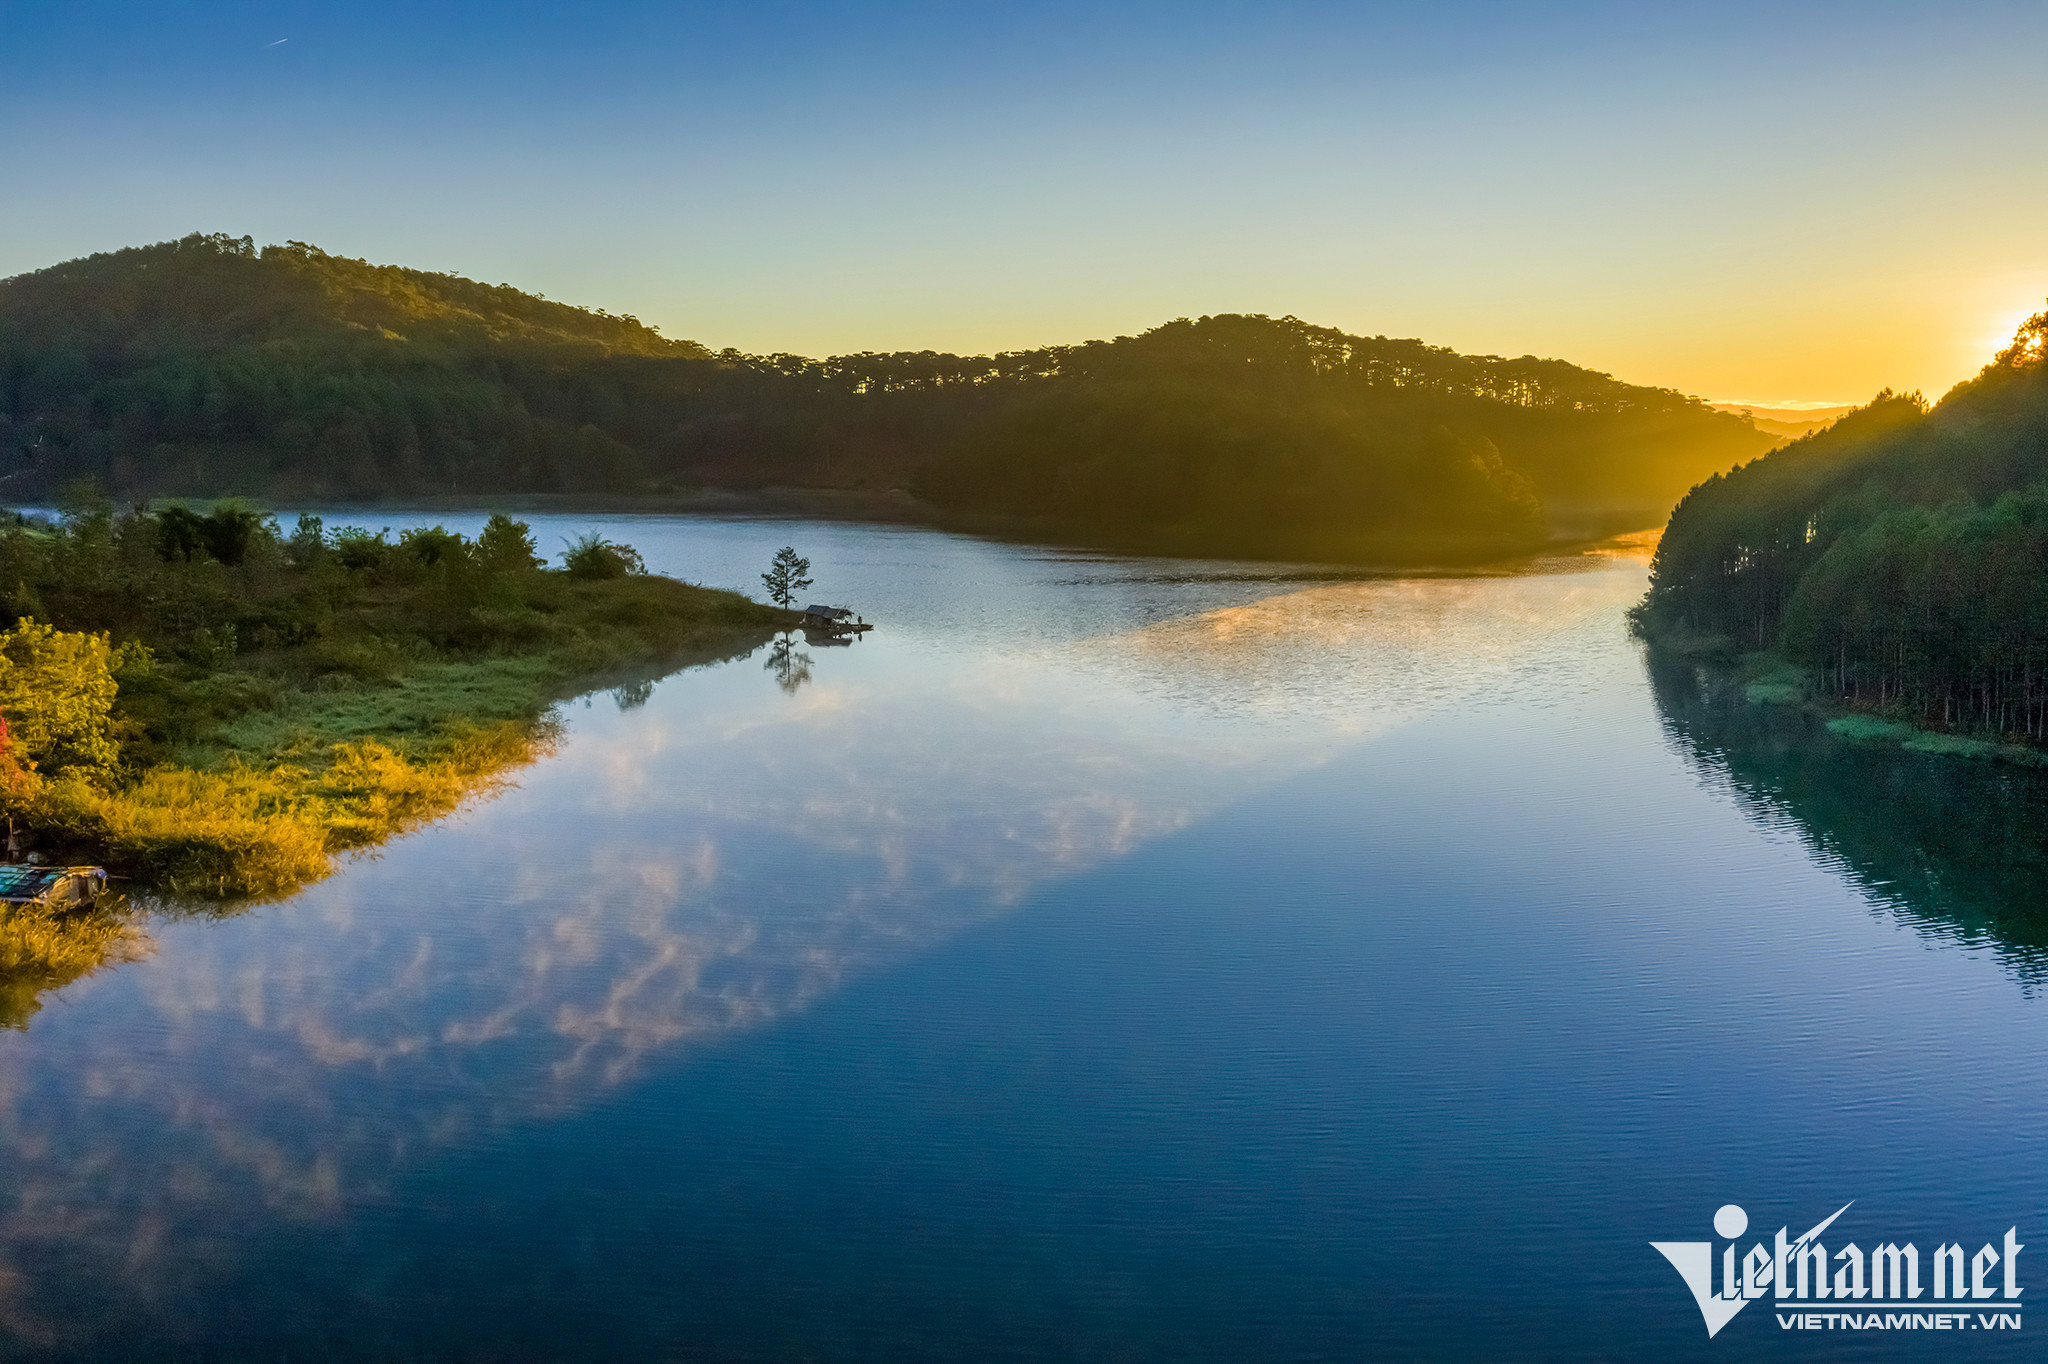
x: 1952, y: 745
x: 1869, y: 728
x: 1773, y: 681
x: 415, y: 704
x: 1774, y: 693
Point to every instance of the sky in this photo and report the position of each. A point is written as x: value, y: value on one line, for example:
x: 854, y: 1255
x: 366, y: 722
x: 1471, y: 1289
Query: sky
x: 1762, y: 203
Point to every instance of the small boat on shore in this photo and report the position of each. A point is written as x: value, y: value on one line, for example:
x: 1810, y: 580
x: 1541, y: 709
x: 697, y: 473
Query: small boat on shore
x: 26, y: 883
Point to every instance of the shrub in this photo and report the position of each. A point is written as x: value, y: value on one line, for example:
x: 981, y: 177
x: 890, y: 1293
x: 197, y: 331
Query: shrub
x: 506, y: 546
x: 213, y: 646
x: 593, y: 556
x: 308, y: 542
x: 232, y: 531
x: 180, y: 534
x: 226, y: 535
x: 57, y: 692
x: 357, y: 548
x: 14, y: 776
x: 434, y: 545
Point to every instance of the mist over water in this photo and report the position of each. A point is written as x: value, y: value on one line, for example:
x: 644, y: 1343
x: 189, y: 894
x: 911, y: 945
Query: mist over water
x: 1103, y: 958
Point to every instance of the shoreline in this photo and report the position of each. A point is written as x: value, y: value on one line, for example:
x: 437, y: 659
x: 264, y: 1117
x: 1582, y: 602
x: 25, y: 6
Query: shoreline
x: 293, y: 787
x: 1769, y: 679
x: 265, y: 803
x: 262, y: 823
x: 898, y: 508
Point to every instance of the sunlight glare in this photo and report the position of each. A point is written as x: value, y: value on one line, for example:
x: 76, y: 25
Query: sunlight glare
x: 2000, y: 334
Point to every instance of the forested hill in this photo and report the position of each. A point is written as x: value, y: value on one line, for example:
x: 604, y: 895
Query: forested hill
x: 207, y: 367
x: 1274, y: 436
x: 1901, y: 555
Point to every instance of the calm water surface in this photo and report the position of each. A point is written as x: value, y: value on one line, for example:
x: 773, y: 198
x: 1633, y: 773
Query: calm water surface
x: 1103, y: 960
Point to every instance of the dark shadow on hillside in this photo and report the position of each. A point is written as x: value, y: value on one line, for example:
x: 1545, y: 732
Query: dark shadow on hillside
x: 1957, y: 848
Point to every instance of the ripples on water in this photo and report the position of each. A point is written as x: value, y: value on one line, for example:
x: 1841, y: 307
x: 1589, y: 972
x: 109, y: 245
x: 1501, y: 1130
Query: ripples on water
x: 723, y: 851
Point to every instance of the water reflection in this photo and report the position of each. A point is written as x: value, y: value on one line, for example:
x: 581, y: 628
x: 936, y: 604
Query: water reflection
x: 1957, y: 849
x: 703, y: 856
x: 42, y: 950
x: 633, y: 695
x: 790, y: 665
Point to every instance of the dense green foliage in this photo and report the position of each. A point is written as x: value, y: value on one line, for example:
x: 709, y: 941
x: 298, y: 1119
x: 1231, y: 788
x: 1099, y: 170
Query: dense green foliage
x: 1901, y: 555
x: 206, y: 367
x: 202, y: 700
x: 593, y: 556
x: 57, y: 696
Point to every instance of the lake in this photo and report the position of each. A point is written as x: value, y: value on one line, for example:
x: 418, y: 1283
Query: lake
x: 1105, y: 959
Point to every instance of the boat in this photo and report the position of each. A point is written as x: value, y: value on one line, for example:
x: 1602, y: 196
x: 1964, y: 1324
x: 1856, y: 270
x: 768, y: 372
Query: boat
x: 26, y: 883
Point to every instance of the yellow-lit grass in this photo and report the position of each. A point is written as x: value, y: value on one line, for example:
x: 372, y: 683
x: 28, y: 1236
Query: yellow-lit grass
x: 248, y: 831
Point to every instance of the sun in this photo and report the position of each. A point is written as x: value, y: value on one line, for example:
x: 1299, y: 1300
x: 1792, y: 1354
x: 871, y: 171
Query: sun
x: 1999, y: 334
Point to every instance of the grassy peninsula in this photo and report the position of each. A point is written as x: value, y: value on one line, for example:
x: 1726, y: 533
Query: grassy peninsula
x: 207, y: 367
x: 1891, y: 569
x: 205, y: 703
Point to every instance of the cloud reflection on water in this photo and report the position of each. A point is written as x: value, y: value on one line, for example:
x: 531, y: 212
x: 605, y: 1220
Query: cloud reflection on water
x: 693, y: 863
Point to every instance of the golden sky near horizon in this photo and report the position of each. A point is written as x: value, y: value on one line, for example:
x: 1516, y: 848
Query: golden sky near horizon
x: 1794, y: 202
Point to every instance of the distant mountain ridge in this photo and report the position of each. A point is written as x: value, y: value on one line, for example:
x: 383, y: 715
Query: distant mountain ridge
x: 1787, y: 423
x: 208, y: 366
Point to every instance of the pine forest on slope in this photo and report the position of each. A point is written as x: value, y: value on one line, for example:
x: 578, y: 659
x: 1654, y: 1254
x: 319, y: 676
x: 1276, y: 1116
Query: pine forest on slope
x: 1899, y: 557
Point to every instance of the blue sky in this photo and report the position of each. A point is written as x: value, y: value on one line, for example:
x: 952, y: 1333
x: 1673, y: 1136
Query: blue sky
x: 1765, y: 202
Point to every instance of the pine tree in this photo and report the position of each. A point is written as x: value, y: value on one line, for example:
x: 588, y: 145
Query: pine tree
x: 786, y: 576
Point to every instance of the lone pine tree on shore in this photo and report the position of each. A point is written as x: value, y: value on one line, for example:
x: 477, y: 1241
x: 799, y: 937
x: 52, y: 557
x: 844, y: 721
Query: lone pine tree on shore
x: 787, y: 576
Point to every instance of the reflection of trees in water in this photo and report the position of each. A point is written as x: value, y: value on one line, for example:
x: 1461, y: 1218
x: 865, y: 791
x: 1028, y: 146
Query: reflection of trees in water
x: 633, y: 695
x: 791, y: 665
x: 1959, y: 848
